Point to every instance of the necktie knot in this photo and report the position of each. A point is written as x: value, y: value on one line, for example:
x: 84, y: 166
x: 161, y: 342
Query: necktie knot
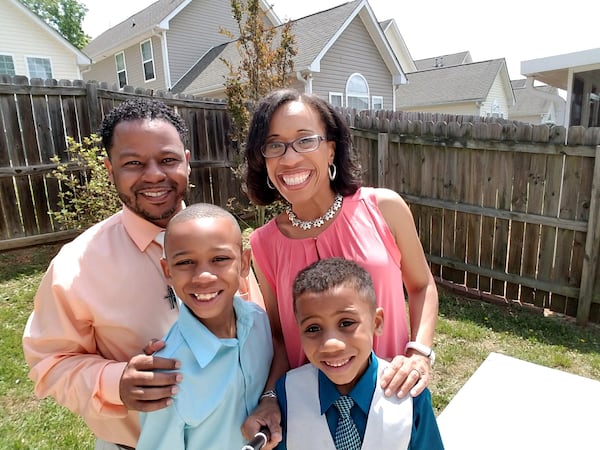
x: 346, y: 434
x: 344, y: 405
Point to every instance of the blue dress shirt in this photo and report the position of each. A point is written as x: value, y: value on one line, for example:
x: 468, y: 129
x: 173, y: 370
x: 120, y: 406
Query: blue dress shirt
x: 222, y: 382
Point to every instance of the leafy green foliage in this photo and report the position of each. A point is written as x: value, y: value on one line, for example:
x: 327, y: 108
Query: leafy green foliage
x: 86, y: 195
x: 265, y: 63
x: 65, y: 16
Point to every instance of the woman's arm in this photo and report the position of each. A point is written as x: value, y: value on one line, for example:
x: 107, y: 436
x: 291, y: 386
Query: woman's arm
x: 267, y: 412
x: 422, y: 297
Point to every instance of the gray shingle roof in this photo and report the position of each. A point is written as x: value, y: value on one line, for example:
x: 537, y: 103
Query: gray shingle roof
x: 445, y: 60
x: 312, y: 33
x: 532, y: 101
x: 462, y: 83
x: 136, y: 25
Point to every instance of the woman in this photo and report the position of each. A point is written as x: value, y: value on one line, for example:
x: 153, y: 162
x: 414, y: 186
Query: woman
x: 300, y: 149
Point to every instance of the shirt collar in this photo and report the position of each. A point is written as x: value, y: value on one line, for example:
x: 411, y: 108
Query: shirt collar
x: 361, y: 393
x: 141, y: 231
x: 202, y: 342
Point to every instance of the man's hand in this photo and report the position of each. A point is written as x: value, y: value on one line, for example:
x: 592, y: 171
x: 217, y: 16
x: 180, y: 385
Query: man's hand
x: 143, y: 387
x: 266, y: 413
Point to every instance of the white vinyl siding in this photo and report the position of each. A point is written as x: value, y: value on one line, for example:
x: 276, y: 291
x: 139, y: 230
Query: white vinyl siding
x: 22, y: 36
x: 121, y: 69
x: 147, y: 60
x: 39, y: 67
x: 7, y: 65
x: 336, y: 68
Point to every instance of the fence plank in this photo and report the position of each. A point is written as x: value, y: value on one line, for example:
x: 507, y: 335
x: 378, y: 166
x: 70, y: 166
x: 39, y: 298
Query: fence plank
x: 518, y: 202
x: 531, y: 240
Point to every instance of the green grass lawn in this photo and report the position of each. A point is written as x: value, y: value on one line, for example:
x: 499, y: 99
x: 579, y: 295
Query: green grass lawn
x: 467, y: 332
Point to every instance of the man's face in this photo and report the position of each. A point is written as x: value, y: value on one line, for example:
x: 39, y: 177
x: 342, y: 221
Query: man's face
x: 150, y: 168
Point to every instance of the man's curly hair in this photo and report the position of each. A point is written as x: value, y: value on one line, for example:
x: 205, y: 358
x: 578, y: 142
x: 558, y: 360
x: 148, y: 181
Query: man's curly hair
x: 137, y: 109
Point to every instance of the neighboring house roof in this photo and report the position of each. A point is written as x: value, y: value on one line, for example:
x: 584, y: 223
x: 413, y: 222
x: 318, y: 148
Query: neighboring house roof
x: 456, y: 84
x: 437, y: 62
x: 143, y: 24
x: 82, y: 58
x: 554, y: 70
x: 534, y: 100
x: 315, y: 34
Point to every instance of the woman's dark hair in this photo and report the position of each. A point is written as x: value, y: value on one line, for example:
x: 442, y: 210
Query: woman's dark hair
x: 348, y: 178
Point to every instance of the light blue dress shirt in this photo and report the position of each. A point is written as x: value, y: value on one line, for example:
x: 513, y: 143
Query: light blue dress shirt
x: 222, y: 382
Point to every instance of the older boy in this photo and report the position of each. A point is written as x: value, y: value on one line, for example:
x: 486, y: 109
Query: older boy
x: 223, y: 342
x: 336, y: 401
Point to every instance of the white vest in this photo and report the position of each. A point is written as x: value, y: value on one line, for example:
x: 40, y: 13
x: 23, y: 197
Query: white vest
x: 389, y: 424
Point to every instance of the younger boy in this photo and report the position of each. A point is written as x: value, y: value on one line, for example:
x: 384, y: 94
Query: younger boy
x: 223, y: 342
x: 335, y: 308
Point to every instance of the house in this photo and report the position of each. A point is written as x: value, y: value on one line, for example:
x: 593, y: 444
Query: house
x: 155, y: 47
x: 436, y: 62
x: 578, y: 74
x: 536, y: 104
x: 31, y: 48
x: 463, y: 88
x: 343, y: 56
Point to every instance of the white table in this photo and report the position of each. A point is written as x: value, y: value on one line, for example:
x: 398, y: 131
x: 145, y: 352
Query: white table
x: 510, y: 404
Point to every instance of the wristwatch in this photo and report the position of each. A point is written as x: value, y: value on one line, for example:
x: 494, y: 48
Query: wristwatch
x: 422, y: 349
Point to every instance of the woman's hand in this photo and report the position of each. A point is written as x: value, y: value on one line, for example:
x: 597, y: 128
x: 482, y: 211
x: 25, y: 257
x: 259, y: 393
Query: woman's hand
x: 267, y: 413
x: 406, y: 374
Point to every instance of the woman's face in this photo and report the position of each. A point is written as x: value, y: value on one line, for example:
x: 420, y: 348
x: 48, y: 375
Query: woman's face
x: 299, y: 176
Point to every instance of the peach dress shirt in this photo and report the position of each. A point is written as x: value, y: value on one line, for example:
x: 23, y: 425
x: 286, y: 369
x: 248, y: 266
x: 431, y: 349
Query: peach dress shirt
x: 100, y: 302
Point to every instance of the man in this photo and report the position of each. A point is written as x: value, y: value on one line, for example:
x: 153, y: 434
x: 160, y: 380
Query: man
x: 104, y: 296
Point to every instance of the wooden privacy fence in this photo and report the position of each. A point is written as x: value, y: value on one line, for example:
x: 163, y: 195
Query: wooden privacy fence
x: 510, y: 210
x: 501, y: 208
x: 35, y: 119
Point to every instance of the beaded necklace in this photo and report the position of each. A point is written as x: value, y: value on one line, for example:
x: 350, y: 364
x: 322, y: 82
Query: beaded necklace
x: 319, y: 221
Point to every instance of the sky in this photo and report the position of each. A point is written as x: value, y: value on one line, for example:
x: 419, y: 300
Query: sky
x: 516, y: 30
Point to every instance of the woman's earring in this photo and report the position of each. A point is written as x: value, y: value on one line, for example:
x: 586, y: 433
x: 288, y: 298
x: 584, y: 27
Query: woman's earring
x: 332, y: 171
x: 269, y: 184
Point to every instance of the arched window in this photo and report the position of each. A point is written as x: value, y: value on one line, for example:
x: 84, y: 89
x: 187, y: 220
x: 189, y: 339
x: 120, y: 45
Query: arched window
x: 357, y: 92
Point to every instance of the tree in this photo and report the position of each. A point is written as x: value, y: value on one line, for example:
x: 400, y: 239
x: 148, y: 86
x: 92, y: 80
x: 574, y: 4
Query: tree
x: 65, y: 16
x: 266, y: 62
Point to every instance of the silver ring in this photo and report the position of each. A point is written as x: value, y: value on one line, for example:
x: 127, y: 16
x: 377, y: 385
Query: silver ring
x: 418, y: 372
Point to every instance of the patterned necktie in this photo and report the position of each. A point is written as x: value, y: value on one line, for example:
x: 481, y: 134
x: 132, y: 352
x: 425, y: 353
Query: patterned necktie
x: 346, y: 434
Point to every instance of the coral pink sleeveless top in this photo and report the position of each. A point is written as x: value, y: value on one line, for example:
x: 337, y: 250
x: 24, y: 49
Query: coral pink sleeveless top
x: 359, y: 232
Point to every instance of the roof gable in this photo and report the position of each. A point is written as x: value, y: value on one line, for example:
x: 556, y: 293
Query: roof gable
x: 143, y: 24
x: 456, y: 84
x: 315, y: 35
x: 82, y: 58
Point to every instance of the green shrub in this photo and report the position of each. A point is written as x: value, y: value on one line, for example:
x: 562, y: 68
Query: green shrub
x: 86, y: 195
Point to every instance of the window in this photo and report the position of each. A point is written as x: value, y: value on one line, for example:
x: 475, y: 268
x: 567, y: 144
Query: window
x: 39, y: 68
x: 121, y: 70
x: 147, y: 60
x: 7, y: 66
x: 357, y: 92
x: 376, y: 102
x: 336, y: 99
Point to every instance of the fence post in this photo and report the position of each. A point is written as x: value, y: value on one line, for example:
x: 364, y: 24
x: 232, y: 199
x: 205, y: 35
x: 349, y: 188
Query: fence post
x: 91, y: 89
x: 382, y: 158
x: 591, y: 257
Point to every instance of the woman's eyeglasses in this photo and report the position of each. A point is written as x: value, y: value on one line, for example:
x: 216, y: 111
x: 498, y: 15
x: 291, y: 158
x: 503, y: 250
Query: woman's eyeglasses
x: 304, y: 144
